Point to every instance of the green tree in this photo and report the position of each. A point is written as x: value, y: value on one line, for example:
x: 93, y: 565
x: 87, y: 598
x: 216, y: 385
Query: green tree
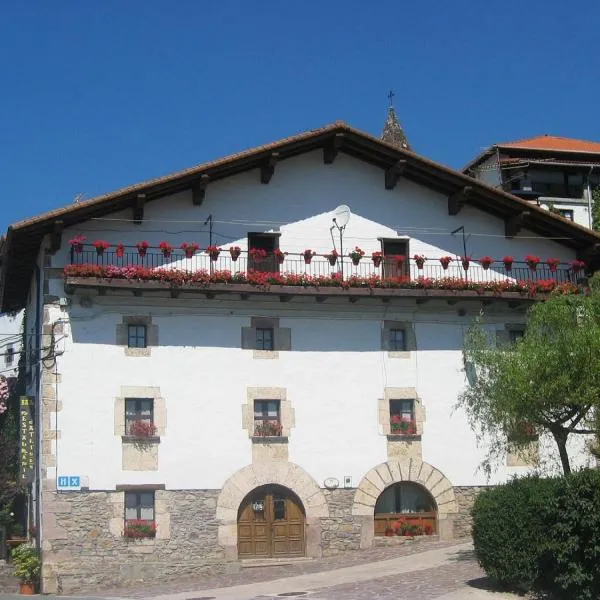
x: 596, y: 209
x: 547, y: 382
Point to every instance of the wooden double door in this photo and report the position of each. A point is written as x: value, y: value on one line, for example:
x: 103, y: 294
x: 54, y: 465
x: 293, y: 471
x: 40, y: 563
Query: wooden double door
x: 271, y: 523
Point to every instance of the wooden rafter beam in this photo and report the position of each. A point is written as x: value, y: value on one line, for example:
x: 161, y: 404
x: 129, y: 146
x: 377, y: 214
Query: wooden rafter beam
x: 199, y: 189
x: 332, y: 147
x: 56, y: 236
x: 138, y: 208
x: 514, y: 224
x: 457, y: 200
x: 393, y: 174
x: 268, y: 168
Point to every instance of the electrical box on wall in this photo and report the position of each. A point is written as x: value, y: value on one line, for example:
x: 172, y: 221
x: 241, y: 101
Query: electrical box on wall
x: 347, y: 481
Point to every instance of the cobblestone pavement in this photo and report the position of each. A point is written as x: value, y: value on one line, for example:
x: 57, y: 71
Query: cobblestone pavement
x: 428, y: 583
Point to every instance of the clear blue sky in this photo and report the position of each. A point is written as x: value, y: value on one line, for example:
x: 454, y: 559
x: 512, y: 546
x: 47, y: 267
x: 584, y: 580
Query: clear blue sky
x: 98, y: 95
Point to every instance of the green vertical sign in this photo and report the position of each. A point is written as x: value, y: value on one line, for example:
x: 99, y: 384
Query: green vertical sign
x: 27, y: 428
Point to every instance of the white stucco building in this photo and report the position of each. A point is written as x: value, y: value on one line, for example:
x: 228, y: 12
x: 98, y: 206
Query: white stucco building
x: 224, y: 409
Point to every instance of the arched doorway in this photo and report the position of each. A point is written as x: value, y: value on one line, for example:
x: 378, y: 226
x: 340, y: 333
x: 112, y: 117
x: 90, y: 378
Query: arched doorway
x: 271, y: 523
x: 406, y: 501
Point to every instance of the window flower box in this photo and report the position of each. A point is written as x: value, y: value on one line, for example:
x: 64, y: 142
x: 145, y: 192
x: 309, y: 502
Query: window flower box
x: 268, y: 429
x: 139, y: 529
x: 399, y: 426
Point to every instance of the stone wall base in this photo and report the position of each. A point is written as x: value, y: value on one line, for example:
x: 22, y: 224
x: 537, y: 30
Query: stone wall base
x: 465, y: 497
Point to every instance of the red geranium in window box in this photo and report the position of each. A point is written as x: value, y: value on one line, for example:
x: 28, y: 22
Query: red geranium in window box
x: 532, y: 261
x: 508, y: 262
x: 190, y: 248
x: 77, y: 242
x: 332, y: 257
x: 553, y: 263
x: 420, y: 260
x: 142, y: 429
x: 101, y: 246
x: 355, y: 255
x: 235, y: 252
x: 257, y: 254
x: 142, y: 248
x: 213, y: 252
x: 445, y: 261
x: 466, y: 261
x: 577, y: 266
x: 166, y: 249
x: 139, y: 529
x: 120, y: 250
x: 401, y: 426
x: 400, y: 260
x: 268, y: 429
x: 486, y: 261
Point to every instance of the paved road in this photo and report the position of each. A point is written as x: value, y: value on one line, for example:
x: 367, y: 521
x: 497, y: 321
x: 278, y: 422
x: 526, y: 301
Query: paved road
x: 442, y: 571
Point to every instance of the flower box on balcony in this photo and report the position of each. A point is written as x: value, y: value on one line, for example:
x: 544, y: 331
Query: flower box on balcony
x: 139, y: 529
x: 355, y: 255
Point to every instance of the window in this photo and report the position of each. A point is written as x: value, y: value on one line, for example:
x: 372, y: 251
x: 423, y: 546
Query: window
x: 267, y: 418
x: 514, y: 335
x: 391, y: 248
x: 397, y: 340
x: 136, y: 336
x: 139, y: 506
x: 264, y: 338
x: 402, y: 417
x: 9, y: 356
x: 567, y: 213
x: 138, y: 410
x: 267, y: 242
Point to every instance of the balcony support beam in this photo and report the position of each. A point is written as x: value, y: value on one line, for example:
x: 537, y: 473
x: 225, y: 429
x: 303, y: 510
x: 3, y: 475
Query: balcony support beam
x: 393, y: 174
x: 267, y: 169
x: 332, y: 147
x: 457, y: 200
x: 199, y: 189
x: 138, y: 208
x: 514, y: 224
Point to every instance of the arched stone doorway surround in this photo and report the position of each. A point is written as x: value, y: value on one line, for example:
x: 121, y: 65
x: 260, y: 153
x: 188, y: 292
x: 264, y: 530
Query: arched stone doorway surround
x: 286, y: 474
x: 395, y: 471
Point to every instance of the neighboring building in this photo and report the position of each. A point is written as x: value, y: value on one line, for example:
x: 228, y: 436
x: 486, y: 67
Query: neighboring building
x: 557, y: 173
x: 11, y: 341
x: 265, y: 404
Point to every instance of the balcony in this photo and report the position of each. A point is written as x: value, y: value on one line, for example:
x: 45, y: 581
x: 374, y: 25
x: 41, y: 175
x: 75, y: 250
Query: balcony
x: 322, y: 276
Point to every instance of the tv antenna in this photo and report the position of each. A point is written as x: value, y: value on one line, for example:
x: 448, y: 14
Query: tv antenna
x: 341, y: 216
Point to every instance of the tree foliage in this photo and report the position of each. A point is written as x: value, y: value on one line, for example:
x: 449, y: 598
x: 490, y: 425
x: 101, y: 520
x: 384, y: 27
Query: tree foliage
x: 547, y: 382
x: 596, y: 209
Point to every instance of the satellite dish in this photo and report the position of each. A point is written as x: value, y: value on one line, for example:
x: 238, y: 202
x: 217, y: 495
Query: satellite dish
x: 341, y: 215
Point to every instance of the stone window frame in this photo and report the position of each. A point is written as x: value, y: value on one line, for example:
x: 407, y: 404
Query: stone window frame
x: 162, y: 516
x: 287, y: 416
x: 136, y: 457
x: 123, y: 334
x: 282, y: 337
x: 503, y: 335
x: 410, y: 340
x: 400, y: 393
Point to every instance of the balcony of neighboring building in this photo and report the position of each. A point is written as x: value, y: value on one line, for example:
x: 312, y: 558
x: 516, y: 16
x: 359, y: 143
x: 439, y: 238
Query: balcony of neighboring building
x: 217, y: 271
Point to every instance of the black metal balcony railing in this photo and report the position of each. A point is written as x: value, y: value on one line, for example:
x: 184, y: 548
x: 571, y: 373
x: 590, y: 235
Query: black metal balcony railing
x: 320, y: 266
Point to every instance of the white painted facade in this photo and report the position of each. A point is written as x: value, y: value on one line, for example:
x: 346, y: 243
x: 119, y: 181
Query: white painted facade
x: 336, y: 370
x: 11, y: 342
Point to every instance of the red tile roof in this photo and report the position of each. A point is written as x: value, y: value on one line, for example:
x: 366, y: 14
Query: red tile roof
x: 553, y: 142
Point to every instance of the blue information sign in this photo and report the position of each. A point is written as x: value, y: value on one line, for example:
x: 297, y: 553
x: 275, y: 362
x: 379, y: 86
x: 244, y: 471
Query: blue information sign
x: 68, y: 482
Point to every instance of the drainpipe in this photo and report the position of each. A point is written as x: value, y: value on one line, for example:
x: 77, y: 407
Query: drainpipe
x: 589, y: 194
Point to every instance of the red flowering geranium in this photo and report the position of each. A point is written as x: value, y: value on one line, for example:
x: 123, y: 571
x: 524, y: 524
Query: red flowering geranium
x: 553, y: 263
x: 420, y: 260
x: 77, y: 242
x: 532, y: 261
x: 142, y: 429
x: 577, y: 265
x: 166, y: 249
x: 356, y: 254
x: 100, y: 246
x: 190, y: 248
x: 445, y: 261
x: 213, y: 252
x: 332, y: 257
x: 257, y: 254
x: 139, y: 528
x: 279, y: 255
x: 508, y: 262
x: 377, y: 257
x: 308, y: 255
x: 235, y: 252
x: 120, y: 249
x: 486, y: 261
x: 142, y: 248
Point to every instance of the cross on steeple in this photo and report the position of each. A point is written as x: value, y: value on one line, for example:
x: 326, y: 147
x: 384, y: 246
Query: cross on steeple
x: 392, y: 131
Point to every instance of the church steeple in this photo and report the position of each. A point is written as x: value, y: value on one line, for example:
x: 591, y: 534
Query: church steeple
x: 392, y: 130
